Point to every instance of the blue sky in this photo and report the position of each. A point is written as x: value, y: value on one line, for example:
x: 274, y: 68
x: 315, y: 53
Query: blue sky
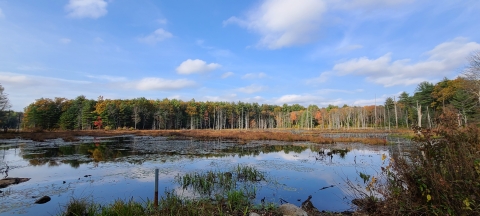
x: 267, y: 51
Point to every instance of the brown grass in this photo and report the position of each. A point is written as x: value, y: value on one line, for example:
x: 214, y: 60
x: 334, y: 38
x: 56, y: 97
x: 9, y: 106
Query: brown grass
x: 241, y: 136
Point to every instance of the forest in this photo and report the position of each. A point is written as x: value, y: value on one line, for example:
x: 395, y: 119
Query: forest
x: 420, y: 109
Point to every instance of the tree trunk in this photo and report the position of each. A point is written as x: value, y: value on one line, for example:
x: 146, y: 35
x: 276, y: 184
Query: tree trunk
x: 396, y: 117
x: 419, y: 113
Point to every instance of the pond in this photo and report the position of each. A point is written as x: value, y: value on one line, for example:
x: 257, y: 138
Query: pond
x: 106, y: 169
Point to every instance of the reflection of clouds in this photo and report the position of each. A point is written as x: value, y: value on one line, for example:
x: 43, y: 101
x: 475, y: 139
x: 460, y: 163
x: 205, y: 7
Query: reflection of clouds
x: 298, y: 174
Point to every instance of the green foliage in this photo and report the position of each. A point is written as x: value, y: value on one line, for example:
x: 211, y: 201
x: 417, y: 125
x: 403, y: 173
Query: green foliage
x: 365, y: 177
x: 423, y: 94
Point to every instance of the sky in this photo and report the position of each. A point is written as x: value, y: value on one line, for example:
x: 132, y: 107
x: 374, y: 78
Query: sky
x: 354, y: 52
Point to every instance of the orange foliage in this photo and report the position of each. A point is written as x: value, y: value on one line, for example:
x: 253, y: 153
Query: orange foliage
x: 318, y: 115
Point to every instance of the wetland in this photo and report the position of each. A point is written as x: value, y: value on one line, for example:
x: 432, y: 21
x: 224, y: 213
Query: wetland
x: 105, y: 169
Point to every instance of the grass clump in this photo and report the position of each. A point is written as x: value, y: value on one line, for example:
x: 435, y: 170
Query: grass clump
x: 217, y: 193
x: 84, y: 207
x: 440, y: 177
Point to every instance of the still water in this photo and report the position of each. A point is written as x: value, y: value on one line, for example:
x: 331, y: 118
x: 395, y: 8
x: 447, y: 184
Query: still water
x: 106, y: 169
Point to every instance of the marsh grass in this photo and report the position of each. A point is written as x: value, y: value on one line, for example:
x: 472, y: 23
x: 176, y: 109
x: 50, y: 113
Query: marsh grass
x: 216, y: 182
x: 221, y: 193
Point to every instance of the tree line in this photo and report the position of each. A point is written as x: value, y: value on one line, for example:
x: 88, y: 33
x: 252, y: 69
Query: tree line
x: 428, y: 101
x: 421, y: 108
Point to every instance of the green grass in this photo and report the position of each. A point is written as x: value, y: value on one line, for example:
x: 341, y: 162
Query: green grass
x: 218, y: 193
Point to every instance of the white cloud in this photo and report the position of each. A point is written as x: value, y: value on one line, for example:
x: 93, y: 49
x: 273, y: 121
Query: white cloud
x: 65, y: 40
x: 86, y: 8
x: 294, y: 99
x: 152, y: 83
x: 254, y: 75
x: 443, y: 60
x: 1, y: 14
x: 227, y: 74
x: 251, y: 89
x: 196, y: 66
x: 228, y: 97
x: 366, y: 102
x: 307, y: 99
x: 157, y: 36
x: 283, y: 23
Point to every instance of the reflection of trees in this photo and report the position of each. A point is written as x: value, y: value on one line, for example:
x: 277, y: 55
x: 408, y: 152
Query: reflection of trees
x: 263, y: 149
x: 73, y: 163
x: 101, y: 152
x: 50, y: 156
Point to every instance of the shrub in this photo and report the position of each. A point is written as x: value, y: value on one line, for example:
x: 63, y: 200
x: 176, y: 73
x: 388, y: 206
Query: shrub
x: 440, y: 176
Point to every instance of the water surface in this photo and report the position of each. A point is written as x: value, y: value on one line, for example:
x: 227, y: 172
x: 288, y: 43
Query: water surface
x: 105, y: 169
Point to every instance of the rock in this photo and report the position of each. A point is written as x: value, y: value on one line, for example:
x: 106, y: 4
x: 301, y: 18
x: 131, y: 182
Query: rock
x: 288, y: 209
x: 308, y: 206
x: 43, y: 200
x: 253, y: 214
x: 9, y: 181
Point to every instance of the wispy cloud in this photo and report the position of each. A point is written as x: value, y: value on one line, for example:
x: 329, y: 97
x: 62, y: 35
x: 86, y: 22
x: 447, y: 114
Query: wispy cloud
x: 157, y: 36
x: 108, y: 78
x: 86, y: 8
x: 2, y: 15
x: 227, y: 74
x: 254, y: 75
x: 162, y: 21
x: 31, y: 68
x: 65, y: 40
x: 154, y: 83
x: 251, y: 89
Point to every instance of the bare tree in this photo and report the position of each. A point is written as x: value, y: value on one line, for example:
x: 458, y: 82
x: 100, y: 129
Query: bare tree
x: 4, y: 102
x: 472, y: 75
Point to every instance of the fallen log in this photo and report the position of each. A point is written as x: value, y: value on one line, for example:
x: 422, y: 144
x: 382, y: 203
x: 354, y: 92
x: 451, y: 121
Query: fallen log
x: 9, y: 181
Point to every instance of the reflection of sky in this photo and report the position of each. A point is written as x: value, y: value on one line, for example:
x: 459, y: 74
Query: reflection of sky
x: 292, y: 177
